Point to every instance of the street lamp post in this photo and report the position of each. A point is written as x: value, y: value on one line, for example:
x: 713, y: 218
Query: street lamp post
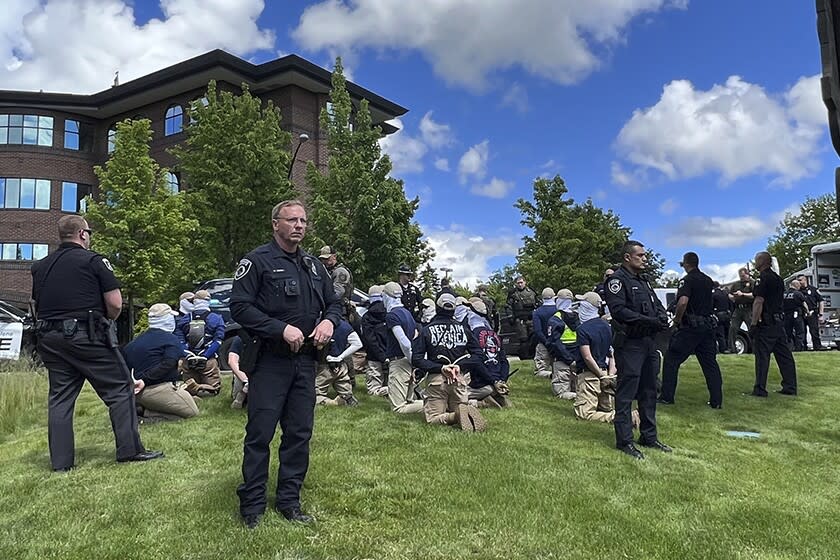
x: 301, y: 139
x: 445, y: 271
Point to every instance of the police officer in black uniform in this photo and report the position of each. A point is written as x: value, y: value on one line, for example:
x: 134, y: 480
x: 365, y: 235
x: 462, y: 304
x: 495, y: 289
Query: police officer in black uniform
x: 76, y: 296
x: 796, y: 308
x: 637, y: 315
x: 284, y: 299
x: 768, y: 330
x: 723, y: 311
x: 815, y: 310
x: 695, y: 334
x: 411, y: 297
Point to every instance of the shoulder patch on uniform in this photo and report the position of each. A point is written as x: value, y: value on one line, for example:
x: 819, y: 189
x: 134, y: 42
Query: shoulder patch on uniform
x: 682, y: 283
x: 614, y: 285
x: 243, y: 269
x: 107, y: 264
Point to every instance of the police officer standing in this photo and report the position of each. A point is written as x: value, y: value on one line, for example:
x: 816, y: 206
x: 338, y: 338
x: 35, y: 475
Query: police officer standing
x: 816, y: 307
x: 742, y: 297
x: 695, y: 334
x: 76, y: 296
x: 723, y: 311
x: 637, y: 315
x: 768, y: 331
x: 522, y: 301
x: 796, y: 309
x: 411, y: 296
x: 284, y: 299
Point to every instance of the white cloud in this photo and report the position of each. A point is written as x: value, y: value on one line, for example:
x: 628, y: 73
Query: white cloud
x: 436, y: 135
x: 468, y: 253
x: 718, y: 232
x: 496, y: 188
x: 516, y: 97
x: 668, y: 207
x: 474, y: 162
x: 723, y: 273
x: 465, y: 41
x: 406, y: 152
x: 77, y: 45
x: 735, y: 129
x: 442, y: 164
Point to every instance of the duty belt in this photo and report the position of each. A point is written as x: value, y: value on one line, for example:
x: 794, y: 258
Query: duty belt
x: 58, y: 325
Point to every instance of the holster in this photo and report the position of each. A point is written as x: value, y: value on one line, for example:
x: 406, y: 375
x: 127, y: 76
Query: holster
x: 251, y: 350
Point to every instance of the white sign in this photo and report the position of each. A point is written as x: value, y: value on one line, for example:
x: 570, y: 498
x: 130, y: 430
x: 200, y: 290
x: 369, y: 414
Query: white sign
x: 11, y: 335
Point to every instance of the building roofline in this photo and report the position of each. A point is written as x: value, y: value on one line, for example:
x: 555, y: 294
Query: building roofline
x: 254, y: 73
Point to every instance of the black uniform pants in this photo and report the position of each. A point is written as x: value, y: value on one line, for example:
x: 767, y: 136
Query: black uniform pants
x: 281, y: 390
x: 795, y: 331
x: 70, y: 362
x: 771, y: 339
x: 638, y: 366
x: 813, y: 322
x: 722, y: 331
x: 699, y: 341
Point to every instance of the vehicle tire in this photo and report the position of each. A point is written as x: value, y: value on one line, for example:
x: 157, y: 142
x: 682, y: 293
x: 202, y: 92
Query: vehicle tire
x: 223, y: 353
x: 742, y: 344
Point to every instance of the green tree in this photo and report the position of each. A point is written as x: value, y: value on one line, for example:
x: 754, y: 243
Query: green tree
x: 139, y: 223
x: 501, y: 282
x: 235, y: 162
x: 355, y: 207
x: 817, y: 222
x: 571, y: 244
x: 429, y: 281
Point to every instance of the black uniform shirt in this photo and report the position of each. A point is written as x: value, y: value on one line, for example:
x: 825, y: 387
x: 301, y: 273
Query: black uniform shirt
x: 813, y: 297
x: 793, y: 301
x: 697, y: 287
x: 411, y: 299
x: 771, y: 287
x: 272, y: 289
x: 70, y: 282
x: 632, y: 301
x: 720, y: 301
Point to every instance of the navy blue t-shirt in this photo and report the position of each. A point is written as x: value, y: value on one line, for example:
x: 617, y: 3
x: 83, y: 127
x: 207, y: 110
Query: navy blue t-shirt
x: 398, y: 317
x: 147, y: 351
x: 235, y: 346
x: 596, y: 334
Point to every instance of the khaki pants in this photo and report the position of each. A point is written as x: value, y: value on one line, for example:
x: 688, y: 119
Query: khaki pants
x: 591, y: 403
x: 359, y: 360
x: 481, y: 393
x: 442, y: 400
x: 374, y: 376
x: 327, y: 377
x: 399, y: 376
x: 209, y: 379
x: 542, y: 361
x: 166, y: 401
x: 562, y: 379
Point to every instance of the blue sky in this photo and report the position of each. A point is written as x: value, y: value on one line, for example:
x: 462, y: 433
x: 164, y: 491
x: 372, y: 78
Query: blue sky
x: 698, y: 122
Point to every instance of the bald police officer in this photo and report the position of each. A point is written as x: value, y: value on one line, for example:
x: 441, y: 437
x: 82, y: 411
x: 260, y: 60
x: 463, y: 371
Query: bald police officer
x: 284, y: 299
x: 76, y: 296
x: 768, y: 330
x: 637, y: 315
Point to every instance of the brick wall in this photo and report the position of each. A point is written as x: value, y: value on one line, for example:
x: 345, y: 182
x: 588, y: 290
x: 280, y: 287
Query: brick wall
x: 300, y: 110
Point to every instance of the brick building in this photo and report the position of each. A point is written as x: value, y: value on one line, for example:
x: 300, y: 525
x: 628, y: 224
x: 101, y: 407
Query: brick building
x: 50, y: 142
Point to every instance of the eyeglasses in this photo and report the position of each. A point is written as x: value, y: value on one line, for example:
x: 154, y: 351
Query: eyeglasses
x: 88, y: 231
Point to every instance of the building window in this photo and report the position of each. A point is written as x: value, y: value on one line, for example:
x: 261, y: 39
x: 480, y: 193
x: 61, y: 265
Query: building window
x: 30, y: 130
x: 204, y: 103
x: 112, y: 138
x: 173, y: 183
x: 23, y: 251
x: 174, y: 122
x: 71, y: 135
x: 73, y: 197
x: 25, y: 193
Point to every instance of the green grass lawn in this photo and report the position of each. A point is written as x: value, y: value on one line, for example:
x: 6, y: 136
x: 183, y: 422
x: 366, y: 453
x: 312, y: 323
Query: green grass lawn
x: 538, y: 484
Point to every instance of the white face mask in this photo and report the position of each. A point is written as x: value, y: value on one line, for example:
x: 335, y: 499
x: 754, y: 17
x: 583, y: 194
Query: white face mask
x: 391, y: 302
x: 460, y: 313
x: 586, y: 311
x: 165, y: 323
